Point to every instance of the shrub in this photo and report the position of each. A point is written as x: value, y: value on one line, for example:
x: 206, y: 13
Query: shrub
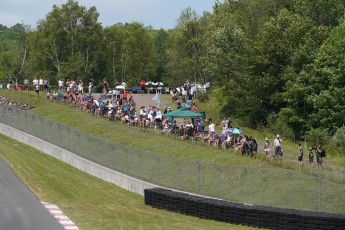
x: 339, y: 137
x: 317, y: 136
x: 202, y: 96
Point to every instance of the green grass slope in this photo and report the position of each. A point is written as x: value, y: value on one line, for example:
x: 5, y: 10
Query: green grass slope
x: 90, y: 202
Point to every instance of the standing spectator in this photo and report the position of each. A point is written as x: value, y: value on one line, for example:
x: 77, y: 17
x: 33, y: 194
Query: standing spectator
x: 267, y: 148
x: 45, y: 83
x: 34, y: 83
x: 311, y: 156
x: 223, y: 122
x: 142, y: 85
x: 37, y: 89
x: 90, y: 87
x: 319, y: 155
x: 80, y: 87
x: 124, y: 96
x: 26, y: 84
x: 277, y: 144
x: 68, y: 85
x: 211, y: 128
x: 60, y: 84
x: 228, y: 122
x: 117, y: 93
x: 104, y: 86
x: 300, y: 154
x: 40, y: 82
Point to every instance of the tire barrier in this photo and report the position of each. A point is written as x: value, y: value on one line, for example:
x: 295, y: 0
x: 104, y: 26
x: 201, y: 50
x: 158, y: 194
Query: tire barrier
x: 241, y: 214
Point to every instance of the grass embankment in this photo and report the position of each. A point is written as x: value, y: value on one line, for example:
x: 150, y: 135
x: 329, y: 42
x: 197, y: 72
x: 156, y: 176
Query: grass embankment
x: 151, y: 141
x: 232, y: 186
x: 88, y: 201
x: 113, y: 131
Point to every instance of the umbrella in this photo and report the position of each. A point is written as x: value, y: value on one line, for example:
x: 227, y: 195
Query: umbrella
x: 120, y: 87
x: 93, y: 81
x: 159, y: 84
x: 235, y: 131
x: 149, y: 83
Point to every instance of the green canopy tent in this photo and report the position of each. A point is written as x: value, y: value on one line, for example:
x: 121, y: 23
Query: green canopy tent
x: 183, y: 113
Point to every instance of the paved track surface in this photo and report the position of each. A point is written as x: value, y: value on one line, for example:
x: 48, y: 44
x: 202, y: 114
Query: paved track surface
x: 19, y: 208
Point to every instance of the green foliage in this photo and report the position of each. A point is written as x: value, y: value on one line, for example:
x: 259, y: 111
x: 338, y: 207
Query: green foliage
x: 202, y: 96
x: 67, y: 42
x: 282, y: 57
x: 279, y: 125
x: 13, y: 51
x: 317, y: 136
x: 339, y: 137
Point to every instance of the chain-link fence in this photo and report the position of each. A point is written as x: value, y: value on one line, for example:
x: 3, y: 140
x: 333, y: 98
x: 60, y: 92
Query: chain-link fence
x: 314, y: 191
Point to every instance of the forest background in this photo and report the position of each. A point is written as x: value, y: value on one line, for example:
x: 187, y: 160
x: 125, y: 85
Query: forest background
x: 277, y: 63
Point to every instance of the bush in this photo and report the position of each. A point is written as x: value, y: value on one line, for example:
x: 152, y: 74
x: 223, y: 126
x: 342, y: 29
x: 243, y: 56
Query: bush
x: 339, y: 137
x: 278, y: 125
x: 202, y: 96
x: 317, y: 136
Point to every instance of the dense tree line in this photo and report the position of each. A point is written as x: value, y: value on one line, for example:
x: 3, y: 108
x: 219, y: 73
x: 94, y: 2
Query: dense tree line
x: 274, y: 62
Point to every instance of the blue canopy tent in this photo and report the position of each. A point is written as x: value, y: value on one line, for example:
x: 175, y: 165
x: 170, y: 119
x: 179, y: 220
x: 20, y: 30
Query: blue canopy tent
x: 183, y: 113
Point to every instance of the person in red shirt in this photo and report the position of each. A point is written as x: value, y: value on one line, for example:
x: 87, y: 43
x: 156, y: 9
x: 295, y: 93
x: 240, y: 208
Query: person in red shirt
x: 194, y: 108
x: 142, y: 85
x: 131, y: 96
x: 124, y: 95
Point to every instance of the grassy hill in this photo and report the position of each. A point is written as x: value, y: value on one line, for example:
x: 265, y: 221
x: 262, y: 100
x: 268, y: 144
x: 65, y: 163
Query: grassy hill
x: 278, y: 173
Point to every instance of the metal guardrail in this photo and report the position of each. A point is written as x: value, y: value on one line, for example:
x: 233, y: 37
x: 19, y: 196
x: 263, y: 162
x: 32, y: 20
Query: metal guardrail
x: 312, y: 191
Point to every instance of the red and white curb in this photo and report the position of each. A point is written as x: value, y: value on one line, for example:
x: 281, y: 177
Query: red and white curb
x: 58, y: 214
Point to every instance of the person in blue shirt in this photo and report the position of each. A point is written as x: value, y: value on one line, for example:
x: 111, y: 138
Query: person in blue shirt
x: 187, y: 106
x: 134, y: 89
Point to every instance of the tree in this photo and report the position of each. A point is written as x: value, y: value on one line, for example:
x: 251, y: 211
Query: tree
x: 69, y: 39
x: 322, y: 12
x: 14, y: 51
x: 187, y: 54
x: 129, y: 53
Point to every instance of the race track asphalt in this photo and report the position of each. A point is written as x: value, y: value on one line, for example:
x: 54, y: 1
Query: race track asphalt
x: 19, y: 208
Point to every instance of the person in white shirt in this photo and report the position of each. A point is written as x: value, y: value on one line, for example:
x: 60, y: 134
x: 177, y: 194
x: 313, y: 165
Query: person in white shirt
x: 40, y: 82
x: 35, y: 82
x: 277, y: 145
x: 211, y: 128
x: 60, y: 83
x: 90, y: 87
x: 80, y: 87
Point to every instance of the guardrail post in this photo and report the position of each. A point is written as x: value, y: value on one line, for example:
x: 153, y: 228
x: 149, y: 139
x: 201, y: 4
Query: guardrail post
x: 26, y: 121
x: 33, y: 124
x: 199, y: 179
x: 319, y: 179
x: 127, y: 161
x: 246, y: 182
x: 221, y: 177
x: 78, y: 145
x: 265, y: 185
x: 42, y: 121
x: 141, y: 165
x: 157, y: 158
x: 59, y: 126
x: 69, y: 138
x: 51, y: 131
x: 178, y: 161
x: 114, y: 155
x: 292, y: 189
